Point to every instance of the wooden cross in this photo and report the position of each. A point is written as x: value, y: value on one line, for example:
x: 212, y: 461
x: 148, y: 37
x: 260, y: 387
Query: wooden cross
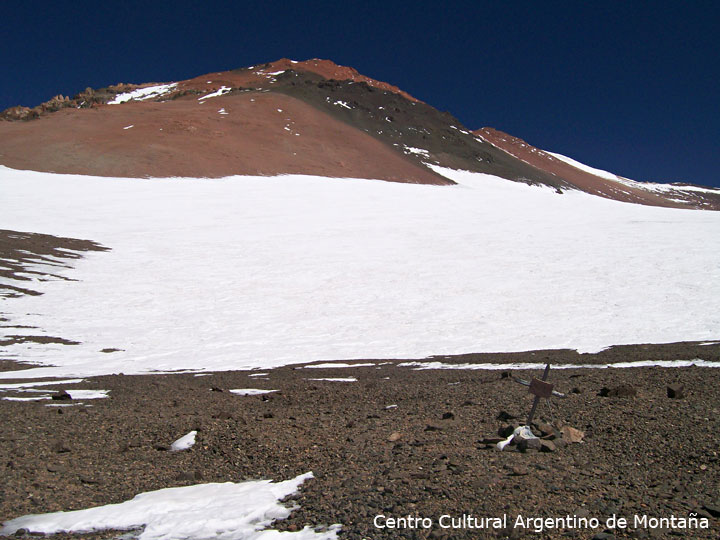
x: 540, y: 389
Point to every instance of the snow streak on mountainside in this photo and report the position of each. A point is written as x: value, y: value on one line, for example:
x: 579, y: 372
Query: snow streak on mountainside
x: 250, y: 272
x: 603, y: 183
x: 286, y: 117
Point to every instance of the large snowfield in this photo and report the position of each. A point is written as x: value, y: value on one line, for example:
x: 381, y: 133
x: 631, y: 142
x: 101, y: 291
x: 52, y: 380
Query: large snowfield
x: 256, y: 272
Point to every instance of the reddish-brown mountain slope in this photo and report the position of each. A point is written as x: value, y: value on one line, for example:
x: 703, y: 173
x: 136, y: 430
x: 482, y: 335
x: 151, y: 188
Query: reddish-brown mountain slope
x: 251, y: 133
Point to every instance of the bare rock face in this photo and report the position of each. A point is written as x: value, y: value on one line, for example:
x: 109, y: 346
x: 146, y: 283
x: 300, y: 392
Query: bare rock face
x: 18, y: 113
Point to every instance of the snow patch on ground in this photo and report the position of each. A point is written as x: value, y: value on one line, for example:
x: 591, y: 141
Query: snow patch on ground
x: 417, y: 151
x: 184, y: 442
x: 32, y: 384
x: 142, y: 94
x: 335, y: 379
x: 336, y: 365
x: 88, y: 394
x: 343, y: 269
x: 495, y: 367
x: 250, y: 391
x: 217, y: 93
x: 221, y: 511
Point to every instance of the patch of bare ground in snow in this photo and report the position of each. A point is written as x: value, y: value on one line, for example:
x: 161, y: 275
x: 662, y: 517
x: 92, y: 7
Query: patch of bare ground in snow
x: 27, y: 259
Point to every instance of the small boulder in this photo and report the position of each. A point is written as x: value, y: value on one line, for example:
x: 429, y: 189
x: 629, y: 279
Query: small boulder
x: 395, y: 436
x: 547, y: 446
x: 60, y: 447
x: 571, y: 435
x: 675, y: 391
x: 505, y: 416
x: 62, y: 395
x: 622, y: 391
x: 529, y: 444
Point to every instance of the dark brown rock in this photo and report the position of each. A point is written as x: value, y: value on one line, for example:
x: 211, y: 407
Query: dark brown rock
x: 547, y: 446
x: 622, y: 391
x: 60, y: 447
x: 675, y: 391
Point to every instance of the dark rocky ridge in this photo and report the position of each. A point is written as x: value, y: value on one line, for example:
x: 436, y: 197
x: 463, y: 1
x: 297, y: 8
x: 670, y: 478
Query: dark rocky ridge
x: 397, y: 121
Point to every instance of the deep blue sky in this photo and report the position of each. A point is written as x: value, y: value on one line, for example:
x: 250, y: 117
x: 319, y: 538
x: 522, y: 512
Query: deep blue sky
x: 631, y: 87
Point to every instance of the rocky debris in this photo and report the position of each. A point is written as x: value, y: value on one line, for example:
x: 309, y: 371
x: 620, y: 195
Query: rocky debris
x: 622, y: 391
x: 82, y: 100
x: 632, y: 461
x: 60, y: 447
x: 712, y: 509
x: 547, y: 446
x: 395, y: 436
x: 189, y: 476
x: 571, y: 435
x: 62, y: 395
x: 675, y: 391
x: 505, y: 416
x: 529, y: 444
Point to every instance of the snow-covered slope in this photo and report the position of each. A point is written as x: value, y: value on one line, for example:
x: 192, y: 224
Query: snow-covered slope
x: 596, y: 181
x: 249, y: 272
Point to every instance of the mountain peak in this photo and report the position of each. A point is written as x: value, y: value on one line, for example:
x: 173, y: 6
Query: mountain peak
x: 291, y: 117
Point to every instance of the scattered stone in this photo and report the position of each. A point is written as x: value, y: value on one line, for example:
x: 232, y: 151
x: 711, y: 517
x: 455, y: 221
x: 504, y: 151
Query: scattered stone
x: 432, y: 427
x: 62, y: 396
x: 505, y: 416
x: 189, y: 476
x: 622, y: 391
x: 395, y: 436
x: 571, y: 435
x: 529, y: 444
x: 675, y: 391
x: 713, y: 509
x: 88, y: 479
x: 468, y: 403
x: 517, y: 470
x: 547, y: 446
x: 56, y: 468
x: 448, y: 416
x: 603, y: 536
x: 216, y: 389
x: 60, y: 447
x: 506, y: 431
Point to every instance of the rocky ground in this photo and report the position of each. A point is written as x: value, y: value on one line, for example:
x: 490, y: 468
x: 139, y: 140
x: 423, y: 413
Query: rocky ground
x: 396, y: 442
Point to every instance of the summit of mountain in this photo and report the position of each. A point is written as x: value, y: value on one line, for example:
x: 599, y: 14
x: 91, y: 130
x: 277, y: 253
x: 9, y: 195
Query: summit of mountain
x: 288, y: 117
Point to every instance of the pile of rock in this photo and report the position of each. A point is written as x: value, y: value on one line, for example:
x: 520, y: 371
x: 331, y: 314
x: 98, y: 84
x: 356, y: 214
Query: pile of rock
x: 542, y: 437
